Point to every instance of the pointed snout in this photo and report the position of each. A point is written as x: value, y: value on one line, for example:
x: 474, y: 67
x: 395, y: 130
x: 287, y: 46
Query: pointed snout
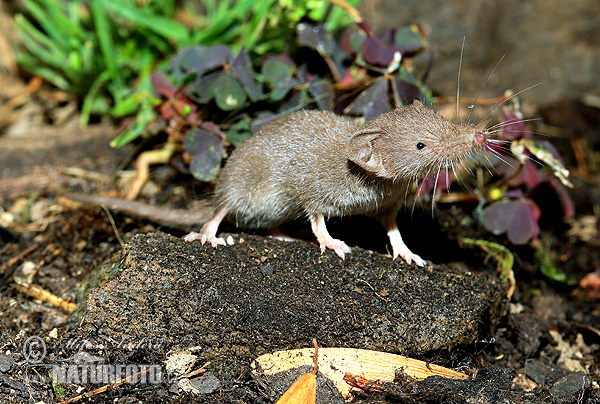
x: 479, y: 138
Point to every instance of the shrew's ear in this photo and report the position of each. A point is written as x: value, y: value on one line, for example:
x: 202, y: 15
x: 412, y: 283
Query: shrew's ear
x: 363, y: 151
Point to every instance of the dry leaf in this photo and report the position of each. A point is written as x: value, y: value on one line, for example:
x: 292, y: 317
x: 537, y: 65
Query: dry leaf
x: 518, y: 147
x: 303, y: 391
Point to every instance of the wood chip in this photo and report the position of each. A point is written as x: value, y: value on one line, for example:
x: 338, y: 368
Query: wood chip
x: 334, y: 363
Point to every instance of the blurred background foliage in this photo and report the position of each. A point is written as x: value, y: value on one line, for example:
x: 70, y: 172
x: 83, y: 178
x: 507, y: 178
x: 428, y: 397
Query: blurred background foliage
x: 104, y: 51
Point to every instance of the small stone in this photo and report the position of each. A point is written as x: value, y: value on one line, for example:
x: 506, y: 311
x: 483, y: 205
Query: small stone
x: 570, y: 386
x: 179, y: 363
x: 540, y: 371
x: 204, y: 384
x: 54, y: 333
x: 6, y: 362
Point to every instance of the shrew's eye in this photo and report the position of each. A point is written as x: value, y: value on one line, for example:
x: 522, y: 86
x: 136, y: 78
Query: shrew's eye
x: 420, y: 145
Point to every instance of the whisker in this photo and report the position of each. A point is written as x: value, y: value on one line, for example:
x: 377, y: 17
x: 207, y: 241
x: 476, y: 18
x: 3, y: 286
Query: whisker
x: 490, y: 165
x: 535, y: 160
x: 437, y: 177
x: 499, y: 157
x: 489, y: 76
x: 459, y: 179
x: 508, y: 99
x: 412, y: 211
x: 454, y: 171
x: 539, y: 134
x: 509, y: 122
x: 462, y: 48
x: 406, y: 191
x: 513, y: 121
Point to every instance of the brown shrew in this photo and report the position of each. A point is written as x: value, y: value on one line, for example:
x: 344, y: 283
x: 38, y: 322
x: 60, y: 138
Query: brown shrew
x: 318, y: 164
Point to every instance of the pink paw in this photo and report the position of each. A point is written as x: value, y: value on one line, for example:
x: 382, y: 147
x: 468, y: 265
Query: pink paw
x: 336, y: 245
x: 409, y: 257
x: 214, y: 241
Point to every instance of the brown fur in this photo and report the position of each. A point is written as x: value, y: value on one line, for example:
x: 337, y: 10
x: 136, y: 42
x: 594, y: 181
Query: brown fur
x: 313, y: 162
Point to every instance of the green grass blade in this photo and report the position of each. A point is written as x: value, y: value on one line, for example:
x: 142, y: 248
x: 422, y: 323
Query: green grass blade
x: 90, y: 98
x: 38, y: 43
x: 44, y: 72
x: 66, y: 16
x: 50, y: 21
x: 104, y: 34
x: 162, y: 26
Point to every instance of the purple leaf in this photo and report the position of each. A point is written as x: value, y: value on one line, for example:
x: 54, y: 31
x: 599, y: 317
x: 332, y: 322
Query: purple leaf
x: 518, y: 218
x: 515, y: 129
x: 314, y: 37
x: 199, y: 59
x: 372, y: 102
x: 210, y: 127
x: 283, y: 88
x: 566, y: 202
x: 161, y: 84
x: 525, y: 174
x: 377, y: 53
x: 276, y: 70
x: 530, y: 175
x: 297, y: 101
x: 409, y: 40
x: 242, y: 68
x: 175, y: 66
x: 322, y: 91
x: 523, y: 225
x: 513, y: 194
x: 229, y: 94
x: 302, y: 74
x: 352, y: 42
x: 496, y: 217
x: 404, y: 92
x: 207, y: 151
x: 223, y: 86
x: 202, y: 89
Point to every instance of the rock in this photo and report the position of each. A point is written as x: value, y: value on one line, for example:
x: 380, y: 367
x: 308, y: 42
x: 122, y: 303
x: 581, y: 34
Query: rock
x: 569, y: 388
x: 225, y: 303
x: 530, y: 329
x: 541, y: 372
x: 205, y: 384
x: 6, y: 363
x: 487, y: 386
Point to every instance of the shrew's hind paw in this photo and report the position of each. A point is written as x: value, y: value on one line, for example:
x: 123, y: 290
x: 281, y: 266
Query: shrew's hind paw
x: 214, y: 241
x: 340, y: 248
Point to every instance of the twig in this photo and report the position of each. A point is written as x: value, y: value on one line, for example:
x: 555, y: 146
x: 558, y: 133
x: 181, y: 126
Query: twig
x: 372, y: 288
x: 87, y: 174
x: 113, y: 224
x: 11, y: 263
x: 103, y: 388
x: 195, y: 372
x: 38, y: 292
